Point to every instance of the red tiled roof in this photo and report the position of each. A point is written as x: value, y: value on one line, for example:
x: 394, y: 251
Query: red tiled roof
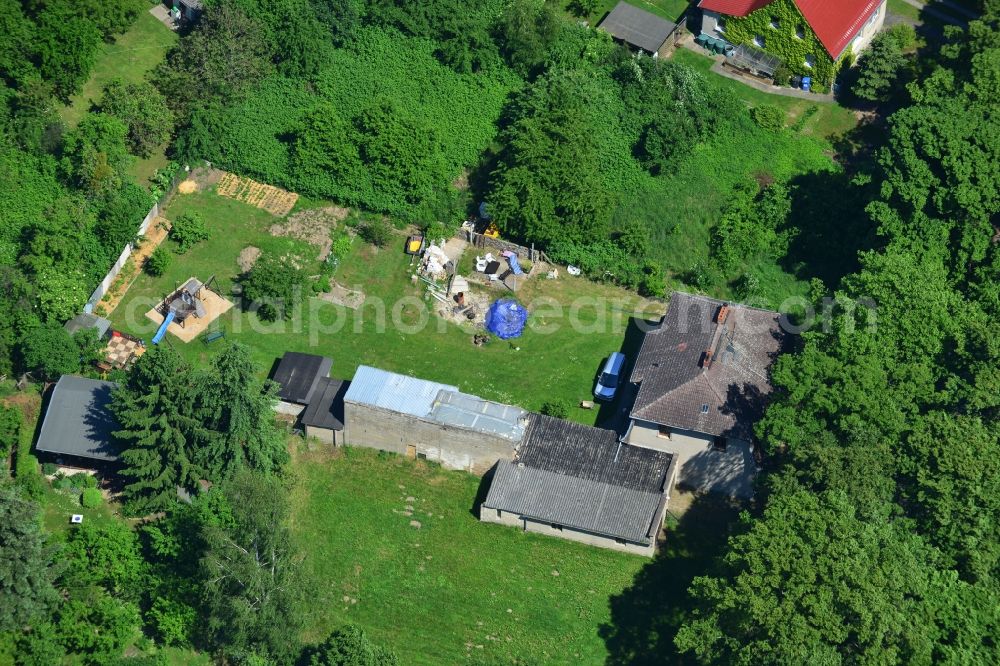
x: 834, y: 22
x: 733, y: 7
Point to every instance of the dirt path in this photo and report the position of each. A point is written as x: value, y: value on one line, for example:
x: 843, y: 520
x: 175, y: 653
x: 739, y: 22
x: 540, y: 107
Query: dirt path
x: 155, y: 235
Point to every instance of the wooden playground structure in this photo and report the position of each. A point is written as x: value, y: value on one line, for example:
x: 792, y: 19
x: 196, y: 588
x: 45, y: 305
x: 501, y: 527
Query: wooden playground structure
x: 188, y: 311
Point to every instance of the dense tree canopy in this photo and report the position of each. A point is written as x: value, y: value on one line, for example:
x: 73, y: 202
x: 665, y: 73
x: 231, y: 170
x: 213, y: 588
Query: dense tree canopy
x: 880, y: 513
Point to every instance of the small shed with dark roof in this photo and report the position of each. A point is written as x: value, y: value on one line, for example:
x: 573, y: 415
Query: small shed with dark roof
x: 323, y: 417
x: 298, y: 375
x: 580, y: 483
x: 639, y: 29
x: 87, y: 321
x: 78, y: 422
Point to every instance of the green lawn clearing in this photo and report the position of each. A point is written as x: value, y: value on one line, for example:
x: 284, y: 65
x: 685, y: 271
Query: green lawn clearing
x: 131, y: 57
x: 828, y: 121
x: 589, y: 319
x: 452, y: 589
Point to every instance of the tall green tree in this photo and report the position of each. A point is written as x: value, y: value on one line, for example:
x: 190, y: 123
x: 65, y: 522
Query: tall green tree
x: 239, y: 411
x: 49, y: 351
x: 811, y: 582
x: 143, y: 110
x: 549, y: 182
x: 253, y: 591
x: 161, y: 434
x: 27, y: 563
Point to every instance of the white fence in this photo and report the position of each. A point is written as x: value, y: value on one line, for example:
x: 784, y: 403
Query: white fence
x: 105, y: 284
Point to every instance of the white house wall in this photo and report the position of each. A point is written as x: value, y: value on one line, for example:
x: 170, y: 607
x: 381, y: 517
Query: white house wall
x: 871, y: 28
x: 730, y: 472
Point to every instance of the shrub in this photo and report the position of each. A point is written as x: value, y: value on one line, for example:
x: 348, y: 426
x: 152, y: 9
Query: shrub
x: 49, y: 468
x: 341, y: 247
x: 768, y: 117
x: 158, y: 262
x: 91, y: 498
x: 904, y: 35
x: 377, y: 232
x: 555, y: 408
x: 271, y: 286
x: 187, y: 230
x: 782, y: 75
x: 82, y: 480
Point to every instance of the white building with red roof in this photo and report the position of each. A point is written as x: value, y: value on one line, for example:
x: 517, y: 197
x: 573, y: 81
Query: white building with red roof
x: 811, y: 36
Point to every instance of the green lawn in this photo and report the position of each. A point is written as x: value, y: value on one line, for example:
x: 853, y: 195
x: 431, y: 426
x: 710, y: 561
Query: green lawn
x: 830, y: 120
x: 454, y: 588
x: 537, y: 367
x: 132, y: 56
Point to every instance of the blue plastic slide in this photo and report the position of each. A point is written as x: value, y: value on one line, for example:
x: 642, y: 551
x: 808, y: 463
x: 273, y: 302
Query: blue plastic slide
x: 162, y: 330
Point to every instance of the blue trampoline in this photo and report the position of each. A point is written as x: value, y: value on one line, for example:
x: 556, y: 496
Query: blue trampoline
x: 506, y: 318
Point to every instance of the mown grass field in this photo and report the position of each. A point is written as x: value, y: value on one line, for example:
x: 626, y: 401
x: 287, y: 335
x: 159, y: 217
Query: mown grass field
x: 668, y: 9
x: 589, y: 320
x: 454, y: 588
x: 131, y: 57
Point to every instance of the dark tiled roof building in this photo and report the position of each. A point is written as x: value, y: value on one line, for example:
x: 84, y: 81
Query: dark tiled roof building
x: 703, y: 378
x: 581, y: 483
x: 78, y: 421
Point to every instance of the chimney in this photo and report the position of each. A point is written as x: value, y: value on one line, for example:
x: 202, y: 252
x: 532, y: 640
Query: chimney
x: 720, y: 316
x: 706, y: 359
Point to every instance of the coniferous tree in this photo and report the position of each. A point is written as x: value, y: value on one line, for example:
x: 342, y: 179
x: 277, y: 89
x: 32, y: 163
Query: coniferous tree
x: 238, y: 409
x: 252, y: 588
x: 160, y: 432
x: 26, y: 562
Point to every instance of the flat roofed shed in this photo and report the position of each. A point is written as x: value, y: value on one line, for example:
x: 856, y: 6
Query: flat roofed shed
x: 85, y: 321
x: 637, y: 27
x: 299, y: 374
x: 468, y: 411
x: 78, y: 421
x: 326, y: 409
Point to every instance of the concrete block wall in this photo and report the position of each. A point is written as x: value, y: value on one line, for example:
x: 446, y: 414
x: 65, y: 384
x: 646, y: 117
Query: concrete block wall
x: 454, y: 448
x: 730, y: 472
x: 488, y: 515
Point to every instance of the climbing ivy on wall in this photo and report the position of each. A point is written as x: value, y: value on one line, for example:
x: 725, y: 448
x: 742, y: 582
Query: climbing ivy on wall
x: 783, y: 42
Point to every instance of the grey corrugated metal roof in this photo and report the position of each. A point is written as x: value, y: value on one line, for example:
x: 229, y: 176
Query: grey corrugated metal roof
x: 398, y: 393
x: 78, y: 421
x: 326, y: 409
x: 595, y: 454
x: 591, y: 506
x: 87, y: 320
x: 468, y: 411
x: 637, y: 27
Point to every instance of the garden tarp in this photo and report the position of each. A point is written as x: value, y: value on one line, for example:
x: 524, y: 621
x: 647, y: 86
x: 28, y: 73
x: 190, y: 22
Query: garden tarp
x: 506, y: 318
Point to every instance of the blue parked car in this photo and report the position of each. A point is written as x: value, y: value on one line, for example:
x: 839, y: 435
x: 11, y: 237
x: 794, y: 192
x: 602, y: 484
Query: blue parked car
x: 607, y: 383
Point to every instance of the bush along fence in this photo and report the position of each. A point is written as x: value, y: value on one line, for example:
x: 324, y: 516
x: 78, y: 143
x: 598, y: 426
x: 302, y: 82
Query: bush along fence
x: 153, y: 213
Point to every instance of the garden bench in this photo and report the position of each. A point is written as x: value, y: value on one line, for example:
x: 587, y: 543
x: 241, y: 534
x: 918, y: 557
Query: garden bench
x: 213, y: 336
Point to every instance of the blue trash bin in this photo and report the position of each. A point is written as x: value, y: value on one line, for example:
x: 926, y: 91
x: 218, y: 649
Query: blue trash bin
x: 807, y: 83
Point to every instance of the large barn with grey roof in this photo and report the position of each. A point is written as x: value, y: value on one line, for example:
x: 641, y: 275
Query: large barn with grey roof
x: 581, y: 483
x: 703, y: 378
x: 78, y: 427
